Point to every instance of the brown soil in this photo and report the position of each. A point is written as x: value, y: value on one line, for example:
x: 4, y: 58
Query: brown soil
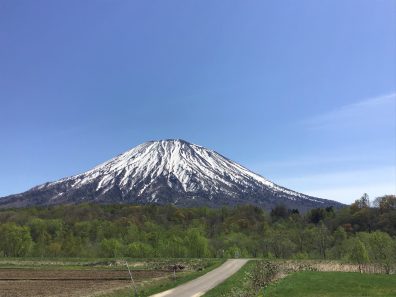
x: 67, y: 283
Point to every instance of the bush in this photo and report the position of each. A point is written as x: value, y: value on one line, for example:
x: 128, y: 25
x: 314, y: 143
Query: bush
x: 263, y: 274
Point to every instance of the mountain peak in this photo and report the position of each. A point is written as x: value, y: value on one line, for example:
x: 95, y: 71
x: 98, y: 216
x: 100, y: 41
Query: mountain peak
x: 167, y: 171
x: 169, y: 140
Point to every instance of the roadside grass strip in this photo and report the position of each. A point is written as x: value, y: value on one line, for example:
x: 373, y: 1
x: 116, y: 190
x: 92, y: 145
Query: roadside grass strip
x: 238, y: 281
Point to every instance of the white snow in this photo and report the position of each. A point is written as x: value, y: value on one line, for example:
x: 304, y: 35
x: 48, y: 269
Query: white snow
x: 195, y: 167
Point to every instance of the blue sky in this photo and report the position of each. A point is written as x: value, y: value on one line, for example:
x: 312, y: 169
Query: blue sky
x: 302, y: 92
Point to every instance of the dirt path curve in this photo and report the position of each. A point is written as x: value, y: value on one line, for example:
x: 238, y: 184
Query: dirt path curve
x: 201, y: 285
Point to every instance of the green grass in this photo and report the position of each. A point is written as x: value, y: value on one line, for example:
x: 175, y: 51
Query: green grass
x: 158, y: 286
x: 101, y: 263
x: 333, y: 284
x: 237, y: 280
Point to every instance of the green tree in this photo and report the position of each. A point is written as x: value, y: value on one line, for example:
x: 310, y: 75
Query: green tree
x: 71, y: 246
x: 197, y: 244
x: 321, y: 239
x: 339, y: 238
x: 382, y: 249
x: 316, y: 215
x: 15, y: 241
x: 110, y: 248
x: 233, y: 252
x: 279, y: 242
x: 279, y: 212
x: 139, y: 250
x: 54, y: 249
x: 40, y: 236
x: 173, y: 246
x: 358, y: 253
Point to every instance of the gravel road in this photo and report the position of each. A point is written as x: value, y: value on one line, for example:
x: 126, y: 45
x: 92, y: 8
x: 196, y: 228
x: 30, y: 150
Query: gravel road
x: 201, y: 285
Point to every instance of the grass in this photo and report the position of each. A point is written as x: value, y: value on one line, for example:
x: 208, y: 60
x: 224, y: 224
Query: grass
x: 56, y: 263
x: 333, y: 284
x: 157, y: 286
x: 100, y: 263
x: 237, y: 280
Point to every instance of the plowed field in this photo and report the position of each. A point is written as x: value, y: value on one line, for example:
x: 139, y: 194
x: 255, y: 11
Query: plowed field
x: 67, y: 283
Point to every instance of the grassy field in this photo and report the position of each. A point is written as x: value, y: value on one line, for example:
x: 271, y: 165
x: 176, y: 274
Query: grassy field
x: 308, y: 283
x: 333, y: 284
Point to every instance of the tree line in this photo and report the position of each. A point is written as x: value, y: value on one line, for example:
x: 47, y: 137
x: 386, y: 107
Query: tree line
x: 361, y: 232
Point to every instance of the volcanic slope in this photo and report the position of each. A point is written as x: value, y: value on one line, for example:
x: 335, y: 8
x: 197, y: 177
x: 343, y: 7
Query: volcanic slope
x: 167, y: 172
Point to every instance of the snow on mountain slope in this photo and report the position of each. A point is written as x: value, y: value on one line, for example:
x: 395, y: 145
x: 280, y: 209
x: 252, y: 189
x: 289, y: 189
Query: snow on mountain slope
x: 167, y: 171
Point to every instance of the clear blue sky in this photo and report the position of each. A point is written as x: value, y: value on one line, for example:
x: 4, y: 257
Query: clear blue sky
x: 302, y: 92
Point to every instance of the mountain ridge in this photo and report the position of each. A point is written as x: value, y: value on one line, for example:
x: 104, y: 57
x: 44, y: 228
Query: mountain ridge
x: 170, y: 171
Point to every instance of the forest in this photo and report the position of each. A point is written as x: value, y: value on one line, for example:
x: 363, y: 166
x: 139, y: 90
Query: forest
x: 362, y: 232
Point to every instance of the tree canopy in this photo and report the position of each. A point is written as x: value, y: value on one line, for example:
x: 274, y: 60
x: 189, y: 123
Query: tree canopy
x: 92, y: 230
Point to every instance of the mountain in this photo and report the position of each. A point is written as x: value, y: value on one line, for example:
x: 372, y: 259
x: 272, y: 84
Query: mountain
x: 167, y: 172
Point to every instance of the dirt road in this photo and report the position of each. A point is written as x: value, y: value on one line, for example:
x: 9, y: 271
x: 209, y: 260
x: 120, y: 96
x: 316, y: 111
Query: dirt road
x: 201, y: 285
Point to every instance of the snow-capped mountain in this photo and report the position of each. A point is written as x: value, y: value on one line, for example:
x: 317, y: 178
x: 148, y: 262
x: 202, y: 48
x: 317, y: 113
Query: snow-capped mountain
x: 167, y: 171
